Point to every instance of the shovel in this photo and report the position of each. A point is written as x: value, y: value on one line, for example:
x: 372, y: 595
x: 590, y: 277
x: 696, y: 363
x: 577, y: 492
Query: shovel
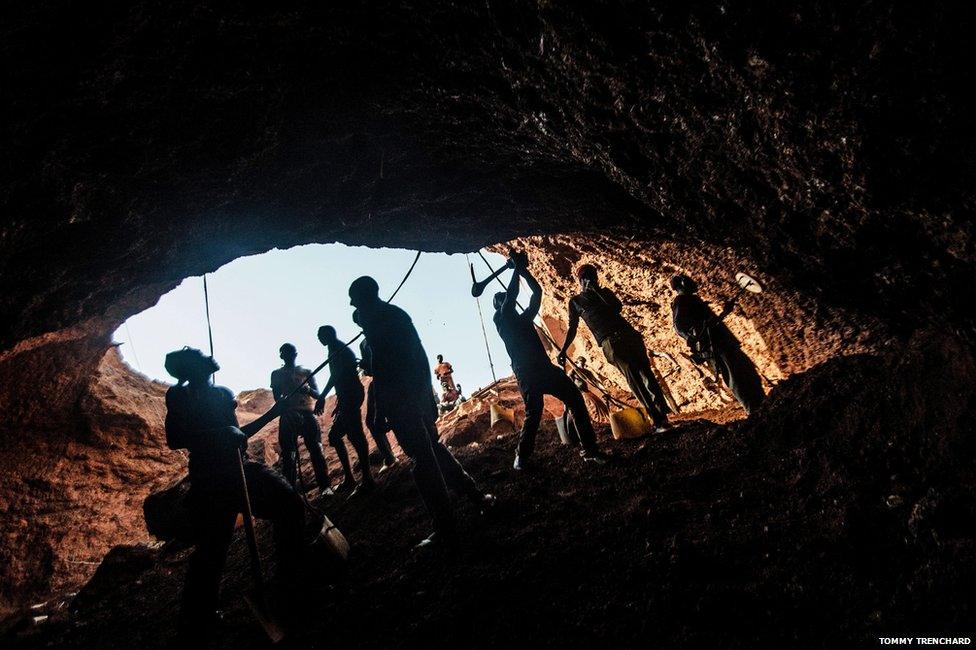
x: 258, y: 601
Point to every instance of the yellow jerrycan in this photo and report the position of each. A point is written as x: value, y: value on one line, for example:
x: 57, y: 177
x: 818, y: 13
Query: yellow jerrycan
x: 501, y: 414
x: 630, y: 423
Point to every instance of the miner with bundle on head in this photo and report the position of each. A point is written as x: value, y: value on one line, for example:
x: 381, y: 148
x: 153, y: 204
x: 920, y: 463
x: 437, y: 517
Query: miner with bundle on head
x: 404, y: 396
x: 622, y: 345
x: 712, y: 343
x: 536, y: 374
x: 347, y: 418
x: 200, y: 417
x: 294, y: 387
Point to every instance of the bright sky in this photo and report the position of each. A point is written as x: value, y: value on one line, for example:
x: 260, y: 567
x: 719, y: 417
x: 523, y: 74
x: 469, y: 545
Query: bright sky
x: 259, y: 302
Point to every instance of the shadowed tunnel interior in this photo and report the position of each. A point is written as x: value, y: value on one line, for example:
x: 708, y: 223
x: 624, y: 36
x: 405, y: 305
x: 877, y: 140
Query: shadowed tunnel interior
x: 827, y: 149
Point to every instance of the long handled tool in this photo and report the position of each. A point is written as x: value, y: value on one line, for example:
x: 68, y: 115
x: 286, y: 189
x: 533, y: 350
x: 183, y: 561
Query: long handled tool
x: 478, y: 286
x: 258, y: 602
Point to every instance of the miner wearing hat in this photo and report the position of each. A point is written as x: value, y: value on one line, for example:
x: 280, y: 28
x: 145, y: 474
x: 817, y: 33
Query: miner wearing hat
x: 622, y: 345
x: 294, y: 387
x: 712, y: 343
x: 200, y: 418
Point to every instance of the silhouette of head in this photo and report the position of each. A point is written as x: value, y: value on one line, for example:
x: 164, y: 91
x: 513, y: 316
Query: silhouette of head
x: 586, y: 273
x: 327, y: 335
x: 499, y: 300
x: 440, y: 358
x: 288, y: 353
x: 363, y: 291
x: 189, y: 364
x: 683, y: 284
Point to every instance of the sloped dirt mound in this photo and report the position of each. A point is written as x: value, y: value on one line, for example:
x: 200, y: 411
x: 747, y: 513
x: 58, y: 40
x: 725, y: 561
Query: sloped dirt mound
x: 470, y: 422
x: 834, y: 517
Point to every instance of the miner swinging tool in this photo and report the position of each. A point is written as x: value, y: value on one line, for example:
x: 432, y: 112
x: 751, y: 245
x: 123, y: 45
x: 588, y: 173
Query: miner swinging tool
x: 478, y: 286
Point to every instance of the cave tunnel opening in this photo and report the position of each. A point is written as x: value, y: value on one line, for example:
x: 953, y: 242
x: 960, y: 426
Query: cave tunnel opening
x: 828, y: 150
x: 259, y: 302
x: 255, y: 300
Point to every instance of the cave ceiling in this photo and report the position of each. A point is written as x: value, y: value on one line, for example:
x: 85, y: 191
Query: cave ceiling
x: 830, y: 143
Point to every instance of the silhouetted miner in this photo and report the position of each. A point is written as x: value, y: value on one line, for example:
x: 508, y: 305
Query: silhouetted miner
x: 347, y: 417
x: 622, y: 345
x: 297, y: 418
x: 200, y: 417
x: 404, y: 396
x: 444, y: 372
x: 536, y: 374
x: 712, y: 342
x: 376, y: 422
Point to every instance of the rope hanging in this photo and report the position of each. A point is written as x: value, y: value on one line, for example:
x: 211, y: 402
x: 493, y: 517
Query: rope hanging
x: 484, y: 333
x: 206, y: 304
x: 358, y: 336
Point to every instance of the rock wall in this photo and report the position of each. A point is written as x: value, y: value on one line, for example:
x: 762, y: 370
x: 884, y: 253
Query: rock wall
x: 782, y: 330
x: 72, y: 487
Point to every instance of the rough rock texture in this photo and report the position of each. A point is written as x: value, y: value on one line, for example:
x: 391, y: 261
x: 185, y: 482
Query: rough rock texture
x: 783, y: 331
x: 783, y: 531
x: 830, y: 146
x: 73, y: 489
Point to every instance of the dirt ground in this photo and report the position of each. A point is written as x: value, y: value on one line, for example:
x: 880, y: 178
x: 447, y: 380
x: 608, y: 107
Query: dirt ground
x: 818, y: 523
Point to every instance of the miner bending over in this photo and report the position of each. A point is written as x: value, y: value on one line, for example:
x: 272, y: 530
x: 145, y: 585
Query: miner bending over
x: 405, y: 398
x: 297, y: 418
x: 622, y: 345
x: 536, y: 374
x: 200, y: 418
x: 712, y: 342
x: 347, y: 418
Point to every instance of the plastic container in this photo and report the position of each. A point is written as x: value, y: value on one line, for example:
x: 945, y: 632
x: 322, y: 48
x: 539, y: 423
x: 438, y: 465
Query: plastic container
x: 501, y: 414
x: 630, y: 423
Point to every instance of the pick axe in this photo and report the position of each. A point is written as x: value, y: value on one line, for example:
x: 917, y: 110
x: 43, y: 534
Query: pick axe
x: 478, y: 286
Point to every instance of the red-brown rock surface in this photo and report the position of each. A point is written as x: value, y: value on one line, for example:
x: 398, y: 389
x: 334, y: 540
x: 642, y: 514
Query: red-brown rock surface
x: 782, y: 331
x: 71, y: 492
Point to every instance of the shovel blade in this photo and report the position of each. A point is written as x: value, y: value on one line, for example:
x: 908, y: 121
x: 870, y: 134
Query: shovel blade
x: 259, y: 607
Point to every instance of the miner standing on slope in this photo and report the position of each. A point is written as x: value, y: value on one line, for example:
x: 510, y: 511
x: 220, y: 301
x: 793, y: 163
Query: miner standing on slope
x: 347, y: 418
x: 405, y: 398
x: 536, y: 374
x: 200, y: 417
x: 297, y: 418
x: 444, y: 372
x: 712, y: 342
x: 622, y: 345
